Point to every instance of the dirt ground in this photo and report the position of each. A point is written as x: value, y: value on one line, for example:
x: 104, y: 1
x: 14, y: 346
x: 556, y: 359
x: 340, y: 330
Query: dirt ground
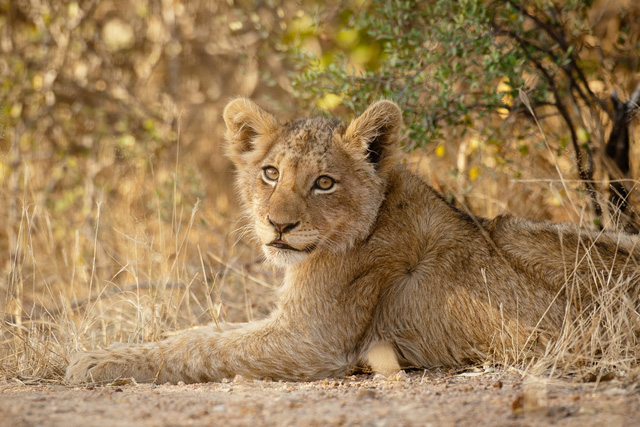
x: 415, y: 398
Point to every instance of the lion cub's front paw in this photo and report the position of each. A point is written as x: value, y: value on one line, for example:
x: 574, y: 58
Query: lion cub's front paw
x: 94, y: 366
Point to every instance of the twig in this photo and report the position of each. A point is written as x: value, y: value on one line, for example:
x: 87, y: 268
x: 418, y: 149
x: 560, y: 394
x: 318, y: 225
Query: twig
x: 240, y: 272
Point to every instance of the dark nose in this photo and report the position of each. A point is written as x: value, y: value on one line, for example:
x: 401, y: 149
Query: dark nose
x: 283, y: 228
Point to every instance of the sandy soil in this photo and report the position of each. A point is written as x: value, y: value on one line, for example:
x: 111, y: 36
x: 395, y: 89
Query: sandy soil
x: 416, y: 398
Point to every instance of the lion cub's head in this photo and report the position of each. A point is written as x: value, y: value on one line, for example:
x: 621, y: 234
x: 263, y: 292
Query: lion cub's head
x: 312, y: 184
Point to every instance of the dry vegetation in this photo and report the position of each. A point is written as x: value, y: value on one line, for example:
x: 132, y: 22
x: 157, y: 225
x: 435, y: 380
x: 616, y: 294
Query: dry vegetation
x: 117, y: 211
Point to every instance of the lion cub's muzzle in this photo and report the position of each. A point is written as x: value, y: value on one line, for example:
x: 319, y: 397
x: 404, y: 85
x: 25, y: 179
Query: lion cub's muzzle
x: 283, y: 228
x: 280, y: 242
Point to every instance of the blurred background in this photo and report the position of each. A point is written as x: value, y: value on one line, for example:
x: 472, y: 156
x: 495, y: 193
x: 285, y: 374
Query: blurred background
x: 118, y: 217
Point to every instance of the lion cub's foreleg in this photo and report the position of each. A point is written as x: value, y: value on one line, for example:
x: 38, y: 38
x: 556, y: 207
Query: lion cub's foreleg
x: 266, y: 348
x: 184, y: 357
x: 382, y: 358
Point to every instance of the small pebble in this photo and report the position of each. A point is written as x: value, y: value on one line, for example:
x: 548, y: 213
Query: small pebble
x: 399, y: 376
x: 365, y: 393
x: 517, y: 405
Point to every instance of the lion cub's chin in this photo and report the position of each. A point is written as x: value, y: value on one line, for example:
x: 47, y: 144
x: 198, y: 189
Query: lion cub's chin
x: 283, y: 257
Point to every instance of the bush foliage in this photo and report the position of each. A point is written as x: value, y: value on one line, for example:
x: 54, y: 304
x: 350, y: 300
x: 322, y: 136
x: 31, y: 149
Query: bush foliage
x: 456, y: 66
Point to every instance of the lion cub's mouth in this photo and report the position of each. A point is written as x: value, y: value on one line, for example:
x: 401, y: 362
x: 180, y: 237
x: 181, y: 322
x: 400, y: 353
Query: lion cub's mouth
x: 281, y: 244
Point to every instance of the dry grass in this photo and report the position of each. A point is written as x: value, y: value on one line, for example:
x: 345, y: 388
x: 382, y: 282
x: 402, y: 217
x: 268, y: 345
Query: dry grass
x: 119, y: 273
x: 601, y: 340
x: 600, y: 336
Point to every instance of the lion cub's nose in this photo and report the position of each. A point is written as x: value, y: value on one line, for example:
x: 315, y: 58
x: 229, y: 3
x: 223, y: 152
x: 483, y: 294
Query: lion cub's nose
x: 283, y: 228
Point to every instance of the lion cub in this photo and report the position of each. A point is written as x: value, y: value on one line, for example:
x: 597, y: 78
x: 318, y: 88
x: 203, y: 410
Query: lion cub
x: 379, y: 268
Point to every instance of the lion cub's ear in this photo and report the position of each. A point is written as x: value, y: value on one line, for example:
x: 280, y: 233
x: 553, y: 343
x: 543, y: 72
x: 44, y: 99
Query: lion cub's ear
x: 376, y: 133
x: 246, y: 123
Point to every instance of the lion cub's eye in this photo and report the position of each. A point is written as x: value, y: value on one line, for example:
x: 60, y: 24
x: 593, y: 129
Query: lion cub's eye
x: 270, y: 174
x: 324, y: 183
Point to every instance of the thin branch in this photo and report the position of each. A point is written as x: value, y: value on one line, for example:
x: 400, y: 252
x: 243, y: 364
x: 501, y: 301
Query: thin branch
x: 586, y: 175
x: 562, y: 42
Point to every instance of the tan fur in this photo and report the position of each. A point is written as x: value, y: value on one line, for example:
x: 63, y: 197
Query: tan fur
x: 379, y: 268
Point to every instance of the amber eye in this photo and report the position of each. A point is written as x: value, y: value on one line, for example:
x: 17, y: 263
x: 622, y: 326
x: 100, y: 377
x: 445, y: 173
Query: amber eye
x: 324, y: 183
x: 270, y: 174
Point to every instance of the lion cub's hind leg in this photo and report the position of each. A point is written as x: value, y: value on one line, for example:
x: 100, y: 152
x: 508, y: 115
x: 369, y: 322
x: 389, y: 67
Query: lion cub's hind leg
x: 382, y: 358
